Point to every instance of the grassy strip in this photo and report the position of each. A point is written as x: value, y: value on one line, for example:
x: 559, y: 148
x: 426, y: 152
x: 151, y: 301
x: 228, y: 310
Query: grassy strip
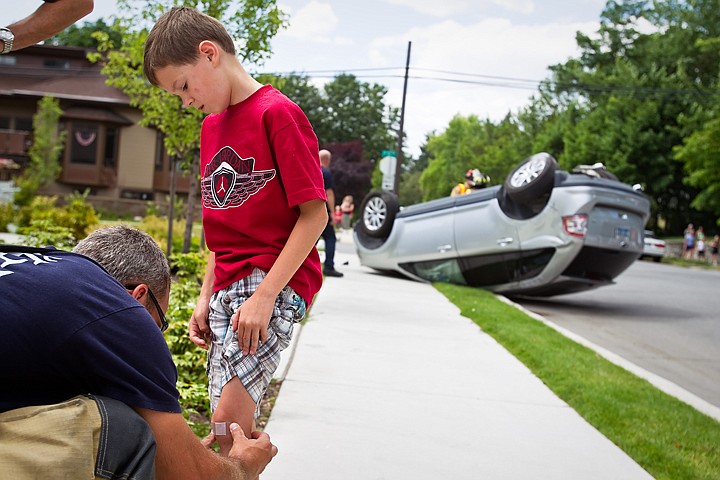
x: 667, y: 437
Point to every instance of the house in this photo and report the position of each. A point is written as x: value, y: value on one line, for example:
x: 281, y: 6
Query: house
x: 122, y: 164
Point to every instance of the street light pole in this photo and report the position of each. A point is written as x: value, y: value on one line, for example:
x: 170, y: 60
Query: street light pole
x: 398, y: 165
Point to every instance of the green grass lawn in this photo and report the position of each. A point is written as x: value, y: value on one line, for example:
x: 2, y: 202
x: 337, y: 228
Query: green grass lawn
x: 667, y: 437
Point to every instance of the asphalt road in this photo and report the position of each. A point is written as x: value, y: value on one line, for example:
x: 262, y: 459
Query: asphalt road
x: 664, y: 318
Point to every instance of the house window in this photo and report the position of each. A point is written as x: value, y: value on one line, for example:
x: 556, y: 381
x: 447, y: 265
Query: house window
x: 83, y: 146
x: 56, y: 63
x: 5, y: 122
x: 159, y: 151
x: 24, y: 124
x: 111, y: 135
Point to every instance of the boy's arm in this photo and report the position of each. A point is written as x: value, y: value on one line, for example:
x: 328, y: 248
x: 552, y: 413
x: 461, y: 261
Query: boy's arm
x: 198, y: 327
x: 180, y: 454
x: 251, y: 320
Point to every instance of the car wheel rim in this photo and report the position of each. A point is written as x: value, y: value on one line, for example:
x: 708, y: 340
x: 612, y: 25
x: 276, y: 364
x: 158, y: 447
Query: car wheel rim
x: 528, y: 172
x: 375, y: 214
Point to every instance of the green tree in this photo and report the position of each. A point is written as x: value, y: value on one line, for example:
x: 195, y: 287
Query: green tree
x: 83, y: 35
x: 251, y: 23
x: 44, y: 152
x: 299, y: 89
x: 357, y: 110
x: 700, y: 154
x: 470, y: 143
x: 622, y: 100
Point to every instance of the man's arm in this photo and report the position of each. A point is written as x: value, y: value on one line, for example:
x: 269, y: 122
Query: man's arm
x: 47, y: 20
x: 330, y: 194
x: 180, y: 454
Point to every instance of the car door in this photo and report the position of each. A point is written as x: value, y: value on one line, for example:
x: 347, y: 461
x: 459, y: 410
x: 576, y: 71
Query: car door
x: 427, y: 249
x: 486, y: 240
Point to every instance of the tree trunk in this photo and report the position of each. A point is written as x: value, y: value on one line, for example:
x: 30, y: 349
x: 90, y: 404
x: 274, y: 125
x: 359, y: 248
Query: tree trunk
x: 190, y: 214
x: 171, y: 208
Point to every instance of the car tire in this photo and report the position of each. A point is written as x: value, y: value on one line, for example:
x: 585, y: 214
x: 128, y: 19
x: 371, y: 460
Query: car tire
x: 378, y: 212
x: 532, y: 179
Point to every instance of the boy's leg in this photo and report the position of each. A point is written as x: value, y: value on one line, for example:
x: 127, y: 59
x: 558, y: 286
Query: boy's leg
x: 238, y: 382
x: 235, y: 405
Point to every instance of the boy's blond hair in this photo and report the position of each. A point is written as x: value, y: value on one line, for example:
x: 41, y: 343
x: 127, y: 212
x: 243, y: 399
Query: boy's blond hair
x: 174, y: 39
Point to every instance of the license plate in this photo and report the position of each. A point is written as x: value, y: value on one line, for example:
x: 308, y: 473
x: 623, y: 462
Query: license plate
x: 622, y: 232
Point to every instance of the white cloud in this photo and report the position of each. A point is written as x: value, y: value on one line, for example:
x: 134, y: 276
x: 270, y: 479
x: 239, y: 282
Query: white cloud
x: 315, y: 21
x: 525, y: 7
x: 449, y: 8
x: 442, y: 9
x: 493, y: 47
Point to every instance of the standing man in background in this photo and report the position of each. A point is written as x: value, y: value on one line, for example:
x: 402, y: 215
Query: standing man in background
x: 49, y: 19
x: 328, y: 235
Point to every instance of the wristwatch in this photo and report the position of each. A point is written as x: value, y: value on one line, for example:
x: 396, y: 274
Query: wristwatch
x: 7, y: 38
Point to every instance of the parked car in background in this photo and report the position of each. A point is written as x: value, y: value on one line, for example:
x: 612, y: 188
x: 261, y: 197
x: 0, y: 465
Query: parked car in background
x: 653, y: 247
x: 543, y: 232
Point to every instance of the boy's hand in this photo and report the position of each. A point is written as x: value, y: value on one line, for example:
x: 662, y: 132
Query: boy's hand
x: 198, y: 327
x: 250, y: 321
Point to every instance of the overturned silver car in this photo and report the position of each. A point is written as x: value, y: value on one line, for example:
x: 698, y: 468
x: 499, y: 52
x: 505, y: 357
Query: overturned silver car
x: 543, y: 232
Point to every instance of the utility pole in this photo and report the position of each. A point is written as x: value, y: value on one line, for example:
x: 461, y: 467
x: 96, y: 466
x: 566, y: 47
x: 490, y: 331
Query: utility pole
x: 398, y: 165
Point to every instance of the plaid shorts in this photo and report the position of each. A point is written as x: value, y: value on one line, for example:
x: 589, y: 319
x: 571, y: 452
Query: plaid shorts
x: 225, y: 357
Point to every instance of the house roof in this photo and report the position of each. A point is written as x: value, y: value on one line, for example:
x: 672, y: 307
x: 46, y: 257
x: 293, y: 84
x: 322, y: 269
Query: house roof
x: 62, y: 72
x: 96, y: 115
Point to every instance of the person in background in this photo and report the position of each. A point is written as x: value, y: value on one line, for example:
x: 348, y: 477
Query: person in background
x: 328, y: 234
x: 714, y: 245
x: 700, y: 243
x: 474, y: 180
x: 49, y: 19
x: 348, y: 208
x: 689, y: 242
x: 338, y: 215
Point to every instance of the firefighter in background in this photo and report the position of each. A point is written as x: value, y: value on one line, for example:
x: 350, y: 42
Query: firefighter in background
x: 474, y: 180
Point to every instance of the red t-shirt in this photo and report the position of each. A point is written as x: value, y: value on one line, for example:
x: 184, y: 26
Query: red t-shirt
x: 259, y: 161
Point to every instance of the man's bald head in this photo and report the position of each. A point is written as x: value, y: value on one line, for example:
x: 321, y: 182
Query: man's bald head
x: 325, y: 157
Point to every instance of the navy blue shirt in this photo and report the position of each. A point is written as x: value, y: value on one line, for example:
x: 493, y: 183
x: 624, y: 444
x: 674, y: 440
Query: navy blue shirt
x: 69, y: 328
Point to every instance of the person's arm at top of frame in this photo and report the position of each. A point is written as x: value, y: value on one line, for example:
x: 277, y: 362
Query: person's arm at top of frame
x: 181, y: 455
x: 49, y: 19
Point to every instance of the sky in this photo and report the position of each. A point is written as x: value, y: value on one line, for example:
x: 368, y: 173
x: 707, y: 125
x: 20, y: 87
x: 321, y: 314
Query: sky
x: 479, y: 57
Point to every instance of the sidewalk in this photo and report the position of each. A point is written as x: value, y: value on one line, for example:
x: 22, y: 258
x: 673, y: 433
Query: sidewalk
x: 388, y: 381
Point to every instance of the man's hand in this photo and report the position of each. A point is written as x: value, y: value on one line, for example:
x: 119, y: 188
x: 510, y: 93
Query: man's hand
x: 253, y: 453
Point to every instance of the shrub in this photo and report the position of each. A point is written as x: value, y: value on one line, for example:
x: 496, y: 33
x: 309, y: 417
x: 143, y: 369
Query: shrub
x: 43, y: 233
x: 189, y: 358
x: 7, y: 215
x: 78, y: 216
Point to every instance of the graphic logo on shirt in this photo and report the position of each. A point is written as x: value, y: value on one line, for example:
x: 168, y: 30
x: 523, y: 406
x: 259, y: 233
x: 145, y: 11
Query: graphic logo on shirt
x: 7, y: 260
x: 229, y: 180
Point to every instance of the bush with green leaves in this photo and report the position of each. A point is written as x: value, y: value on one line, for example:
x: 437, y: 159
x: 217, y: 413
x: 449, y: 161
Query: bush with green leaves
x: 7, y: 215
x: 77, y: 216
x: 190, y: 359
x: 44, y: 233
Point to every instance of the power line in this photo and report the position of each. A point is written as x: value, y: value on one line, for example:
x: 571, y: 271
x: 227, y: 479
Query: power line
x: 508, y: 82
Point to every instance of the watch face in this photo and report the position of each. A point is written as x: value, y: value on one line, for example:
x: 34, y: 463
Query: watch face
x: 7, y: 38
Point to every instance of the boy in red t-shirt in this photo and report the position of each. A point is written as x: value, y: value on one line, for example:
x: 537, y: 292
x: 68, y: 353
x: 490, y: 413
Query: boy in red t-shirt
x: 263, y: 207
